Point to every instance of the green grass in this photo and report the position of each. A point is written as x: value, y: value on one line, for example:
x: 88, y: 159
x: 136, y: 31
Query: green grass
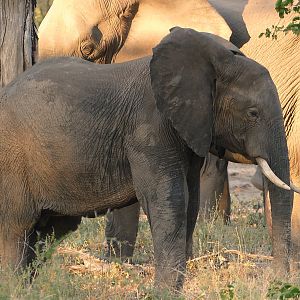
x: 75, y: 272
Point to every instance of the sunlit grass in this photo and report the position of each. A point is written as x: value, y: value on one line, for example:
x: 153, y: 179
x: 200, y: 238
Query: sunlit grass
x: 222, y: 268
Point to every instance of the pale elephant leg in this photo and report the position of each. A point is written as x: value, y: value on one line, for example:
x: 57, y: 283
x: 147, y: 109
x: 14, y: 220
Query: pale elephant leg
x: 296, y: 226
x: 267, y: 206
x: 121, y: 231
x: 214, y: 189
x: 257, y: 179
x: 224, y: 203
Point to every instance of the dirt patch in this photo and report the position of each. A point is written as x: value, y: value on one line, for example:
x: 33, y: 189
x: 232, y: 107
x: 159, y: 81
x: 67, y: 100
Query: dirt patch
x: 240, y: 184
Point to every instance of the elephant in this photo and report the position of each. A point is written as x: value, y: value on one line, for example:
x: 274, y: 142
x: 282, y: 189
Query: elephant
x: 163, y: 15
x: 79, y: 137
x: 92, y: 30
x: 122, y: 224
x: 54, y: 40
x: 215, y: 181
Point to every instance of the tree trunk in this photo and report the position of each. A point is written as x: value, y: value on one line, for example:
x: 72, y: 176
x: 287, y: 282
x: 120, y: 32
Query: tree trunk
x: 18, y: 38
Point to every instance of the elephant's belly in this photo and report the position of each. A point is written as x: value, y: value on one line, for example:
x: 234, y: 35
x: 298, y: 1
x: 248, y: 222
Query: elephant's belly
x: 88, y: 202
x: 86, y: 196
x: 72, y: 182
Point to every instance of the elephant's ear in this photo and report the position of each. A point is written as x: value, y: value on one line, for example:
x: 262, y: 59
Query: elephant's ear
x: 235, y: 50
x: 183, y: 73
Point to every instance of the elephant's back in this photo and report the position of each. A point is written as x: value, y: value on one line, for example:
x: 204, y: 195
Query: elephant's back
x: 63, y: 96
x: 73, y: 81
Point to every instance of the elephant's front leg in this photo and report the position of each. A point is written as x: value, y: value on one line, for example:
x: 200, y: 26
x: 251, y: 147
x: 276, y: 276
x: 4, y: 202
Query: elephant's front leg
x: 161, y: 187
x: 295, y: 222
x: 295, y: 230
x: 193, y: 182
x: 14, y: 247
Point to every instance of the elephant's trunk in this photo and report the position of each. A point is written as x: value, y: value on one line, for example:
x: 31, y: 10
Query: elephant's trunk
x: 281, y: 201
x: 267, y: 171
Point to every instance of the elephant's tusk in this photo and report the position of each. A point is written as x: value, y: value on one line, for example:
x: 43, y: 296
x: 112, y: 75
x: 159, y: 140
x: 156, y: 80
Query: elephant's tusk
x: 267, y: 171
x: 294, y: 188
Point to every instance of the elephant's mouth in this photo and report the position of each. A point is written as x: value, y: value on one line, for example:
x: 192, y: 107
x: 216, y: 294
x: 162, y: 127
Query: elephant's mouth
x: 262, y: 163
x: 238, y: 158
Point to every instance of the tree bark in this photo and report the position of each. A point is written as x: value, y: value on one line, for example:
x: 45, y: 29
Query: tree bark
x: 18, y: 38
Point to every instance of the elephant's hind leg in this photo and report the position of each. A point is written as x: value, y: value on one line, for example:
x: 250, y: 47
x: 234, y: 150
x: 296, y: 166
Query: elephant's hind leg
x: 121, y: 231
x: 16, y: 229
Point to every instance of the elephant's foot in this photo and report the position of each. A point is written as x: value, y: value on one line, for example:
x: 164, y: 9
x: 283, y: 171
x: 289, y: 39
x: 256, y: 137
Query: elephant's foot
x: 121, y: 231
x: 295, y: 260
x: 169, y: 278
x: 281, y: 267
x: 117, y: 250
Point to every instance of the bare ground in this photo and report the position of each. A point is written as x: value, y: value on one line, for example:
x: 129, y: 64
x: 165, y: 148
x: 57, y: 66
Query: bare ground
x: 239, y: 181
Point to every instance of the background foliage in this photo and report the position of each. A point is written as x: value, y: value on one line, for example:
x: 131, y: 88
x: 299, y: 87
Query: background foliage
x: 41, y: 10
x: 289, y: 9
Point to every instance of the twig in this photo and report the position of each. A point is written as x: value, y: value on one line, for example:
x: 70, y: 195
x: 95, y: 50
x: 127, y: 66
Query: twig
x: 236, y: 252
x: 95, y: 264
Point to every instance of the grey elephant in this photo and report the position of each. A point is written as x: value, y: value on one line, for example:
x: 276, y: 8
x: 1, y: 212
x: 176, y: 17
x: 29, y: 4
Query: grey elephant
x: 78, y: 137
x: 242, y: 17
x: 69, y: 27
x: 122, y: 224
x: 92, y: 30
x: 247, y: 19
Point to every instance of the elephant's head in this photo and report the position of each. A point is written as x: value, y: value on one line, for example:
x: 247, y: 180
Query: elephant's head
x: 213, y: 95
x: 94, y: 30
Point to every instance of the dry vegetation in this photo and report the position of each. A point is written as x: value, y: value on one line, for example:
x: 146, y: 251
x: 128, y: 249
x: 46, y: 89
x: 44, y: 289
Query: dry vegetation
x: 222, y: 268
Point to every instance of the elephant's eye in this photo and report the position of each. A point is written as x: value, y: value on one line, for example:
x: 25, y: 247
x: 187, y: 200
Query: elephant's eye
x: 252, y: 114
x: 126, y: 15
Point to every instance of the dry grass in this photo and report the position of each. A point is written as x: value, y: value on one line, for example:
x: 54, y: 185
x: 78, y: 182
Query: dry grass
x: 231, y: 262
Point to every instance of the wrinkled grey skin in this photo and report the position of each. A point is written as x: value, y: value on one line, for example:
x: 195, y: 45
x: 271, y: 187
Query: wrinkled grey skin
x: 247, y: 19
x: 78, y: 137
x: 122, y: 224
